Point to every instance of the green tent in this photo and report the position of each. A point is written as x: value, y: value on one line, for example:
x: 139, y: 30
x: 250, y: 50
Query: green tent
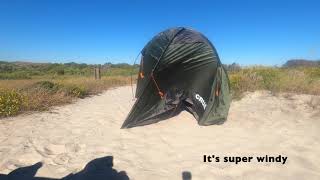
x: 180, y: 70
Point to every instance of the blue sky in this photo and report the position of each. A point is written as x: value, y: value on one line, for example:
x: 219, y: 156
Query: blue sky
x: 247, y: 32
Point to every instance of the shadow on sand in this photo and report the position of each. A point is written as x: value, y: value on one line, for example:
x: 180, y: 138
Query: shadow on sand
x: 186, y: 175
x: 97, y: 169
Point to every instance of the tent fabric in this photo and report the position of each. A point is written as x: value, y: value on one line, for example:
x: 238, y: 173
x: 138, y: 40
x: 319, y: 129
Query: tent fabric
x: 182, y: 64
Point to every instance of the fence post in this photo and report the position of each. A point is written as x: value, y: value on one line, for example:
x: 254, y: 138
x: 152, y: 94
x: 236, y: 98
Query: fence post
x: 97, y: 72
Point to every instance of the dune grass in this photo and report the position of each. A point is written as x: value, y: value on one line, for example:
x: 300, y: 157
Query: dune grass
x: 300, y: 80
x: 40, y: 94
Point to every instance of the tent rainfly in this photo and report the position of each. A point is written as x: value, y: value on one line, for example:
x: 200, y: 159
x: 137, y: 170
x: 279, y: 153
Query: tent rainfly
x: 180, y: 70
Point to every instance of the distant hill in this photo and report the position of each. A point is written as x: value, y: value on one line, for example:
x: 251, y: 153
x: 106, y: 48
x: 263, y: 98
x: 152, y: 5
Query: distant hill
x: 301, y: 62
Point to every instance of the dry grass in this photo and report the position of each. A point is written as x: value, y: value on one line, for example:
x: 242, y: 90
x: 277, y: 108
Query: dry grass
x: 277, y: 80
x: 95, y: 86
x: 40, y: 94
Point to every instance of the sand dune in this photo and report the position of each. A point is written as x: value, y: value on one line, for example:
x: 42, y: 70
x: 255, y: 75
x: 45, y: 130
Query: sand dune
x: 260, y: 124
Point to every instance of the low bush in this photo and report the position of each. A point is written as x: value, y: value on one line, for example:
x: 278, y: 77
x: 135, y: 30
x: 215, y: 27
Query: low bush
x: 48, y: 85
x: 76, y: 91
x: 11, y: 102
x: 15, y: 75
x: 295, y: 80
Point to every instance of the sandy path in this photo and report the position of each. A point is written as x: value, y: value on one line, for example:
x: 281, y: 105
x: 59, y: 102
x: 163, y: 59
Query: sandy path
x: 68, y: 137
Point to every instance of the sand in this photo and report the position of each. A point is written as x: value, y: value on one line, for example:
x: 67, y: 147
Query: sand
x: 66, y: 138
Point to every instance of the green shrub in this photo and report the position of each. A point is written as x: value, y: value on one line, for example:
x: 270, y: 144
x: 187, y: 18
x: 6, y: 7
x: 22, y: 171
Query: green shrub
x: 244, y: 80
x: 48, y: 85
x: 314, y: 73
x: 270, y: 78
x: 76, y: 91
x: 10, y: 102
x: 116, y: 71
x: 15, y: 75
x: 60, y: 71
